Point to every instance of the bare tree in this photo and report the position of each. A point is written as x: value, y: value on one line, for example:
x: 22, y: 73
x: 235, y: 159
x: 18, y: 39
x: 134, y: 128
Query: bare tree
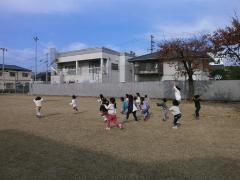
x: 226, y: 41
x: 187, y: 56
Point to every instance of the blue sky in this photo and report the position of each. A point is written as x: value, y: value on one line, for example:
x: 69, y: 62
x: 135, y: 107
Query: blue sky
x: 123, y: 25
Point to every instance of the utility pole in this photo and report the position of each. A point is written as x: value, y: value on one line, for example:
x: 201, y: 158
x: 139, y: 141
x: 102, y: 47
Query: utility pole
x: 35, y: 39
x: 46, y: 68
x: 3, y: 77
x: 152, y: 44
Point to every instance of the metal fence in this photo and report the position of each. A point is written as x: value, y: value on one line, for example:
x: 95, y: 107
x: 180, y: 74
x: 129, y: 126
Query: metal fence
x: 18, y: 88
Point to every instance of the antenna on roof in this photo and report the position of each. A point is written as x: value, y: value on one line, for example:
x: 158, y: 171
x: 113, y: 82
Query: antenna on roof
x: 152, y: 44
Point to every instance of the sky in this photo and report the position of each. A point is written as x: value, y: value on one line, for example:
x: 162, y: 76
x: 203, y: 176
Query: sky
x: 122, y: 25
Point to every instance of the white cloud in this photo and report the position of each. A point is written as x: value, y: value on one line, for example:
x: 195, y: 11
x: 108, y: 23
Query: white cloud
x: 43, y: 6
x: 74, y: 46
x: 184, y: 30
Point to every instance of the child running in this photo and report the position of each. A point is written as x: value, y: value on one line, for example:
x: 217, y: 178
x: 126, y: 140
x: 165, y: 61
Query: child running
x: 124, y: 106
x: 126, y: 97
x: 38, y: 103
x: 144, y: 107
x: 176, y: 113
x: 137, y: 100
x: 111, y: 114
x: 146, y: 98
x: 177, y: 92
x: 74, y: 104
x: 131, y: 108
x: 103, y: 111
x: 197, y: 100
x: 163, y: 104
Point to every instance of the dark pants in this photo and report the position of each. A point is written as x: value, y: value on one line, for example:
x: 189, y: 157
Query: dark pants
x: 197, y: 111
x: 176, y: 118
x: 134, y: 115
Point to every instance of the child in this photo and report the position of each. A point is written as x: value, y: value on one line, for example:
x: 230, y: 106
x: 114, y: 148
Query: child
x: 163, y: 104
x: 197, y: 100
x: 146, y: 98
x: 126, y: 97
x: 103, y: 110
x: 124, y: 105
x: 137, y: 100
x: 177, y: 92
x: 131, y: 108
x: 144, y: 106
x: 111, y: 114
x: 101, y: 98
x: 176, y: 113
x: 38, y: 103
x: 74, y: 104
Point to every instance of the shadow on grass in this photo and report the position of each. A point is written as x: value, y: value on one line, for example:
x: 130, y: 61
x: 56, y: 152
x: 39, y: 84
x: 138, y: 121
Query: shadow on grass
x: 80, y: 112
x: 25, y: 156
x: 50, y: 115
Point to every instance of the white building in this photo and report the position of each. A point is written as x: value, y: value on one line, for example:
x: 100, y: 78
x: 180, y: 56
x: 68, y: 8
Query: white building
x: 91, y: 65
x: 150, y: 67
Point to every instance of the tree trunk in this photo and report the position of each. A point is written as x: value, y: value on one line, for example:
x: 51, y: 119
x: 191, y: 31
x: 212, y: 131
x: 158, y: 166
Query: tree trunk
x: 190, y: 87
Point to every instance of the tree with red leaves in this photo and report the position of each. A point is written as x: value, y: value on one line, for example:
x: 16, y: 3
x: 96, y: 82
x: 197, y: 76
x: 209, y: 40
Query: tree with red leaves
x: 187, y: 55
x: 226, y: 41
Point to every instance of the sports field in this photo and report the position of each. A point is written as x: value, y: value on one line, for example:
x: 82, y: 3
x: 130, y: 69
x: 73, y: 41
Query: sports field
x: 63, y: 145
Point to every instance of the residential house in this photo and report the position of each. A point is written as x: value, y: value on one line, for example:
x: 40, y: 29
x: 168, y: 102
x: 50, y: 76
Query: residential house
x: 91, y: 65
x: 41, y: 77
x: 151, y: 67
x: 14, y: 77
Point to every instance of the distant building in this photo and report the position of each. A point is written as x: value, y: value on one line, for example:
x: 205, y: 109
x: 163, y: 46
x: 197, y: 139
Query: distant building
x: 13, y: 77
x: 91, y: 65
x: 41, y: 77
x: 150, y: 67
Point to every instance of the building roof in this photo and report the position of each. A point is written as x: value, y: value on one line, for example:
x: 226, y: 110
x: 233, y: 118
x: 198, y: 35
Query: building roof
x: 156, y: 56
x: 14, y: 68
x: 41, y: 74
x: 88, y: 51
x: 151, y: 56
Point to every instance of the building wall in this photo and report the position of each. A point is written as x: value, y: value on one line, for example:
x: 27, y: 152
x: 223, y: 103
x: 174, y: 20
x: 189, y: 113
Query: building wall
x: 109, y: 75
x: 126, y: 68
x: 227, y: 90
x: 169, y: 73
x: 11, y: 81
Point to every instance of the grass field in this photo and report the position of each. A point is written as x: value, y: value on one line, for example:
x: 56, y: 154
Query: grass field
x: 63, y: 145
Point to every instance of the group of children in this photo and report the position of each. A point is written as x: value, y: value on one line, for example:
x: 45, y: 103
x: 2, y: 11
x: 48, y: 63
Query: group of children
x: 38, y: 104
x: 131, y: 105
x: 175, y: 110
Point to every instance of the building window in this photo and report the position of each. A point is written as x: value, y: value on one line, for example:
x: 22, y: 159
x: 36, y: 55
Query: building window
x: 114, y: 66
x: 12, y: 74
x: 24, y: 74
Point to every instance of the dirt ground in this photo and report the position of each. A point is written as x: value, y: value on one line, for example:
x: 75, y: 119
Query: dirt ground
x: 63, y: 145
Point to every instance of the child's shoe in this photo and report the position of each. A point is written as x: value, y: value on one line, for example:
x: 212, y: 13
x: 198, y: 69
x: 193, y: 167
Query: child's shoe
x: 107, y: 128
x: 120, y: 126
x: 174, y: 127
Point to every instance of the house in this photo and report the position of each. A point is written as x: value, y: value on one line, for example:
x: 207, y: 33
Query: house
x: 151, y: 67
x: 41, y: 77
x: 91, y: 65
x: 14, y: 77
